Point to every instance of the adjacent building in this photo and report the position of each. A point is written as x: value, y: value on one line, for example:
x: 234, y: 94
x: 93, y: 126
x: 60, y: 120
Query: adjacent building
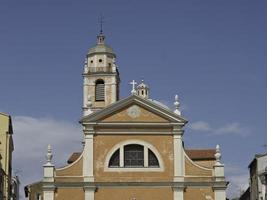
x: 15, y: 183
x: 257, y: 189
x: 257, y: 169
x: 6, y: 149
x: 133, y: 147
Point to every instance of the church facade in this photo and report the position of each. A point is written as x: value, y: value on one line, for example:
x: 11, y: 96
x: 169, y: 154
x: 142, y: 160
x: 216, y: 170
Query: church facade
x: 133, y: 147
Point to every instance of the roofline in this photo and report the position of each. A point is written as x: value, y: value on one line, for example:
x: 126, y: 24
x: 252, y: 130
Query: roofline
x: 256, y: 157
x: 5, y: 114
x: 134, y: 97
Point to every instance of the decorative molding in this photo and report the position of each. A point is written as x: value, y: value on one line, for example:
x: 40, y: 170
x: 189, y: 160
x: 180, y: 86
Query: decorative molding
x: 134, y: 99
x: 204, y: 184
x: 134, y: 111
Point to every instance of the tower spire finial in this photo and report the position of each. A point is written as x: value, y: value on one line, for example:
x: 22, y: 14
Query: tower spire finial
x: 101, y: 37
x: 101, y: 21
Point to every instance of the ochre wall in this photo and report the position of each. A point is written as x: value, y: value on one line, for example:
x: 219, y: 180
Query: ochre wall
x: 75, y: 169
x: 193, y: 193
x: 69, y: 194
x: 145, y: 116
x: 193, y: 170
x: 133, y: 192
x: 104, y: 143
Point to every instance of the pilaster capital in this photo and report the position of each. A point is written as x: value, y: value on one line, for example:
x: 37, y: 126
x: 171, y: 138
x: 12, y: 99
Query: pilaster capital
x: 216, y: 188
x: 177, y: 130
x: 49, y: 187
x: 88, y: 130
x: 222, y: 185
x: 89, y: 188
x: 179, y: 188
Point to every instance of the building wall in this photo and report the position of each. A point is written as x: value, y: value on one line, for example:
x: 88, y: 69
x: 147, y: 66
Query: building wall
x: 104, y: 143
x: 261, y: 165
x: 6, y: 149
x: 69, y: 193
x: 134, y: 193
x: 198, y: 193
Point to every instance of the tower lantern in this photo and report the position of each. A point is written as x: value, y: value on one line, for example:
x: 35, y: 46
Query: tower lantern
x: 101, y: 76
x: 143, y: 90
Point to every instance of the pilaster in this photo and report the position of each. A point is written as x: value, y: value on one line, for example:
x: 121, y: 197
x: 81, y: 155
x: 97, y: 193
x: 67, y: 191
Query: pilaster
x: 178, y: 193
x: 219, y: 193
x: 218, y: 170
x: 48, y: 179
x: 89, y: 193
x: 178, y: 154
x: 88, y: 155
x: 48, y: 192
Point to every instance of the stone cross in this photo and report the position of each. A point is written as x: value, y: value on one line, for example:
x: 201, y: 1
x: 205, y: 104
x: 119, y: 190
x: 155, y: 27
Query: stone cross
x: 133, y: 83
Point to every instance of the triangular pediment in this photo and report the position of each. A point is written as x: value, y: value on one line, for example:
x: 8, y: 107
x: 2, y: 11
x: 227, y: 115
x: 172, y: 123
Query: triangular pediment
x: 134, y: 113
x: 134, y: 109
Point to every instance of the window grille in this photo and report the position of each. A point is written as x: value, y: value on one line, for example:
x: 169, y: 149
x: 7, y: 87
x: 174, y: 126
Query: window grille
x: 133, y: 155
x: 100, y: 90
x: 152, y: 159
x: 115, y: 159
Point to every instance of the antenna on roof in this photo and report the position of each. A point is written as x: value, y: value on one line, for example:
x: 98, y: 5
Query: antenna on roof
x: 101, y: 37
x: 101, y: 21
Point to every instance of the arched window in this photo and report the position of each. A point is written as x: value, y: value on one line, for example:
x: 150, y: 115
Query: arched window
x: 135, y: 156
x: 115, y: 159
x: 99, y: 90
x: 152, y: 159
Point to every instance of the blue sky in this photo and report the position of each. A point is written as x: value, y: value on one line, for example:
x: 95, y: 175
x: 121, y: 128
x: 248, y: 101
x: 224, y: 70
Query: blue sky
x: 211, y: 53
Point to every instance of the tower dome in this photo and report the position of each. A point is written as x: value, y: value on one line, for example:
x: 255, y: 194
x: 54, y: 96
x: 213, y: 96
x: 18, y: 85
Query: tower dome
x: 143, y: 90
x: 101, y: 47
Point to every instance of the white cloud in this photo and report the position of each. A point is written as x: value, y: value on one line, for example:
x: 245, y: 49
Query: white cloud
x: 234, y: 128
x: 230, y: 128
x: 31, y: 137
x: 200, y: 126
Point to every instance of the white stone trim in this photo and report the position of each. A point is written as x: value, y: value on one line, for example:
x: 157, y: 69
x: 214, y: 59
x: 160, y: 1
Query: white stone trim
x: 89, y: 194
x: 132, y: 169
x: 219, y: 194
x: 178, y: 193
x: 121, y: 157
x: 130, y: 132
x: 178, y: 154
x: 145, y: 156
x: 88, y: 158
x: 167, y: 124
x: 49, y: 195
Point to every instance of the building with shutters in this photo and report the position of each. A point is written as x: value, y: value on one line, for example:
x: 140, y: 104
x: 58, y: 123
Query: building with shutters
x: 133, y: 147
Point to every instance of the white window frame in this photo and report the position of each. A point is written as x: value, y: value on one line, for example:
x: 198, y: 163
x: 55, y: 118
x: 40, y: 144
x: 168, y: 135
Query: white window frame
x: 121, y: 167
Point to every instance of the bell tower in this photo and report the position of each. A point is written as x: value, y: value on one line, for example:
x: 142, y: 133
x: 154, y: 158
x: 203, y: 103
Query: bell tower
x: 101, y: 77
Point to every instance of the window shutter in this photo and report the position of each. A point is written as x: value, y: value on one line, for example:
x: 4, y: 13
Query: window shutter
x: 100, y: 91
